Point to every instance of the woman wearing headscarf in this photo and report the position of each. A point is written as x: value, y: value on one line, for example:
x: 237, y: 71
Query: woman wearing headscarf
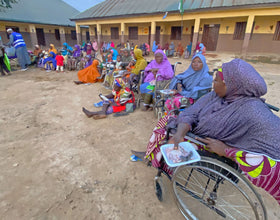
x: 36, y: 54
x: 50, y: 62
x: 71, y: 63
x: 66, y: 51
x: 180, y: 49
x: 115, y: 53
x: 171, y: 49
x: 120, y: 96
x: 235, y: 123
x: 89, y: 74
x: 88, y: 49
x: 52, y: 49
x: 191, y: 84
x: 166, y: 48
x: 159, y: 66
x: 126, y: 58
x: 95, y: 45
x: 112, y: 44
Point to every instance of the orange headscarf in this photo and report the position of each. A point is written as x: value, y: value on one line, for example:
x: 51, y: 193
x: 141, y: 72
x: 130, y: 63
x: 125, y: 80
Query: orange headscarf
x: 90, y: 74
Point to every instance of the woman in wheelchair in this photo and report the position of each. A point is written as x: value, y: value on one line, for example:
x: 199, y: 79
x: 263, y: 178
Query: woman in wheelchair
x: 159, y: 69
x: 234, y: 123
x: 191, y: 84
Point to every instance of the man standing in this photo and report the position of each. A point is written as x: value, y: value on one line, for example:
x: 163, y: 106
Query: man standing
x: 17, y: 41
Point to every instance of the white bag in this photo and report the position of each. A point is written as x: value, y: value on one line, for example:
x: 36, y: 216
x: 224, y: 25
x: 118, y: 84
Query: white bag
x: 10, y: 51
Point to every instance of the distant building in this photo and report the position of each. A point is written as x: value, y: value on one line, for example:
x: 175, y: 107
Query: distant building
x: 221, y: 25
x: 41, y: 22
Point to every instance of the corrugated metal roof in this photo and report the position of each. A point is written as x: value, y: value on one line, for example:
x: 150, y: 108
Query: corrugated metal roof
x: 55, y: 12
x: 114, y: 8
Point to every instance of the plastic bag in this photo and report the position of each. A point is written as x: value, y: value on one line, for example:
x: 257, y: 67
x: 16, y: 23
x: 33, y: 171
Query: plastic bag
x: 10, y: 51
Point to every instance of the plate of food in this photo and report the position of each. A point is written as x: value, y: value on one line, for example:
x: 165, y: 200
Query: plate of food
x: 185, y: 154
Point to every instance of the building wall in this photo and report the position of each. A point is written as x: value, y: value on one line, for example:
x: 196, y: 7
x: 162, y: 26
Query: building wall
x: 49, y: 33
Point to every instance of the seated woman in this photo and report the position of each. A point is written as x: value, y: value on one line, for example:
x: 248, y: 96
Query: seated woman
x: 52, y: 49
x: 86, y: 62
x: 72, y: 62
x: 140, y: 64
x: 235, y: 123
x: 126, y: 58
x: 171, y: 50
x: 66, y: 51
x: 191, y: 84
x: 180, y: 50
x: 50, y: 62
x: 89, y: 74
x: 200, y: 48
x: 120, y: 96
x: 36, y: 55
x: 159, y: 66
x: 109, y: 78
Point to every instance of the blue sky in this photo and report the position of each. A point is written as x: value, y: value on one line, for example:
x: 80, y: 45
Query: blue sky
x: 82, y: 5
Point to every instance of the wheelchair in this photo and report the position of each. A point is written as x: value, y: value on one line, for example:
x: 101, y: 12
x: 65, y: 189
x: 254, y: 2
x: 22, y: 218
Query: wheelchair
x: 214, y: 184
x: 160, y: 85
x: 162, y: 95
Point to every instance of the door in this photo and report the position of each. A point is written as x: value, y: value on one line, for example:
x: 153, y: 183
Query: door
x: 158, y: 34
x: 210, y: 36
x: 40, y: 36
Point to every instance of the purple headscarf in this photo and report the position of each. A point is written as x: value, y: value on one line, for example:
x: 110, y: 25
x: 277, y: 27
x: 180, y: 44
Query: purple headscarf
x: 77, y: 52
x: 240, y: 119
x: 89, y: 62
x: 165, y: 69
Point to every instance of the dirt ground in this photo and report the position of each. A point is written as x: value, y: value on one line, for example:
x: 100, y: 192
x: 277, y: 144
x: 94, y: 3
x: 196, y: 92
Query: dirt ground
x: 57, y: 164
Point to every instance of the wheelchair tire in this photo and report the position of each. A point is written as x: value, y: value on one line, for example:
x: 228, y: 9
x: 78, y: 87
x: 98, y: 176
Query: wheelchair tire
x: 211, y: 189
x: 160, y: 189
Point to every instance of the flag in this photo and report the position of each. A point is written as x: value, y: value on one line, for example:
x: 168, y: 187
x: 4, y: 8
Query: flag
x: 165, y: 15
x: 181, y: 6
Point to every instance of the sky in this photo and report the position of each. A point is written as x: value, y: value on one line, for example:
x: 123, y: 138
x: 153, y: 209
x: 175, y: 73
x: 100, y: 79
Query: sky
x: 82, y: 5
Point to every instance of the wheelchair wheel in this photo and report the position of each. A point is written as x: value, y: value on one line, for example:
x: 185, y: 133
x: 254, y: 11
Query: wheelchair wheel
x: 210, y: 189
x: 159, y: 108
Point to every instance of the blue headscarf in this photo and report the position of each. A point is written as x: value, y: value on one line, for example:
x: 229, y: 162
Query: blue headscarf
x: 154, y: 47
x: 52, y: 59
x: 65, y: 49
x: 195, y: 83
x: 115, y: 53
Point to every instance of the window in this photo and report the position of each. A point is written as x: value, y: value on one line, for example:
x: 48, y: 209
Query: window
x: 73, y: 35
x: 114, y: 33
x: 239, y: 32
x: 277, y: 32
x: 57, y: 34
x: 176, y: 33
x: 133, y: 33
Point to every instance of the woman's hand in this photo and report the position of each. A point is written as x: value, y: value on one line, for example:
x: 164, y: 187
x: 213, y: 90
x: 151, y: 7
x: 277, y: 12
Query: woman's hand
x: 174, y: 91
x: 176, y: 139
x: 182, y: 129
x: 214, y: 145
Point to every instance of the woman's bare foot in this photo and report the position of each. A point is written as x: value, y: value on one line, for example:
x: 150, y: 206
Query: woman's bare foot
x: 88, y: 113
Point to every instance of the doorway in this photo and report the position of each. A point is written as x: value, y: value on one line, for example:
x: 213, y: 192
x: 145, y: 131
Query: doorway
x: 210, y: 36
x: 40, y: 36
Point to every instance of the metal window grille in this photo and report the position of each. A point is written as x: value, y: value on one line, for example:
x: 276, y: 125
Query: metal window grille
x: 114, y: 33
x: 133, y: 33
x: 277, y: 32
x: 239, y: 32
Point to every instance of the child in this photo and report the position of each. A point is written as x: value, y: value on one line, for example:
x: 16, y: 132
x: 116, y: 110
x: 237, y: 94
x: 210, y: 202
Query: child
x: 109, y: 78
x: 59, y: 62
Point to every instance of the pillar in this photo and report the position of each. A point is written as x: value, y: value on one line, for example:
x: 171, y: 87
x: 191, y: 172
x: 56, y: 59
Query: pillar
x: 62, y: 35
x: 92, y: 32
x: 98, y: 27
x: 161, y: 38
x: 122, y: 32
x: 33, y: 35
x: 247, y: 36
x: 78, y: 34
x: 195, y: 33
x: 153, y: 33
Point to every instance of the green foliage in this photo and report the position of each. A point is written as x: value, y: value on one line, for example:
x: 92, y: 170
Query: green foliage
x: 7, y: 3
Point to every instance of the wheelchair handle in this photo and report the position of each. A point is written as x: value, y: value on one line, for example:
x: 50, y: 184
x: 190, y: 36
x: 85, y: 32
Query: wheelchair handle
x: 274, y: 108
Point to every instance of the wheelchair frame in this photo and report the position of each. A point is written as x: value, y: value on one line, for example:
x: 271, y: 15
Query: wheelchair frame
x: 214, y: 185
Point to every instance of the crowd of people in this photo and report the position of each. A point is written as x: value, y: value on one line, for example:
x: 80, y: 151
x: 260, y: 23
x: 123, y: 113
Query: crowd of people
x: 233, y: 120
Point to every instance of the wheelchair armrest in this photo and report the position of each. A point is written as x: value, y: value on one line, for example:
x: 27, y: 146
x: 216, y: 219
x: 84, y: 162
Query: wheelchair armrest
x: 274, y: 108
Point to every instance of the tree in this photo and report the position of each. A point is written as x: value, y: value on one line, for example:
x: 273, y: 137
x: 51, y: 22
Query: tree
x: 7, y: 3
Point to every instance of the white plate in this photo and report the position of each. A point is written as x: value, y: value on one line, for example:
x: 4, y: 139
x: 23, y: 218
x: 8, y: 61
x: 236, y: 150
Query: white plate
x: 184, y: 147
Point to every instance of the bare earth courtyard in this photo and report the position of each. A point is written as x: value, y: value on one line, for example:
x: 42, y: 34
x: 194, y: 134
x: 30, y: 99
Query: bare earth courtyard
x: 55, y: 163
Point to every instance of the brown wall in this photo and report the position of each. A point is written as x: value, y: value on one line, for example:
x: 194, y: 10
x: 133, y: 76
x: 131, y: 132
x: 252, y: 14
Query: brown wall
x: 226, y: 43
x: 263, y: 43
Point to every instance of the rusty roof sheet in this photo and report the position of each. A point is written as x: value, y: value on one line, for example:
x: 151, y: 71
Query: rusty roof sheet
x: 117, y: 8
